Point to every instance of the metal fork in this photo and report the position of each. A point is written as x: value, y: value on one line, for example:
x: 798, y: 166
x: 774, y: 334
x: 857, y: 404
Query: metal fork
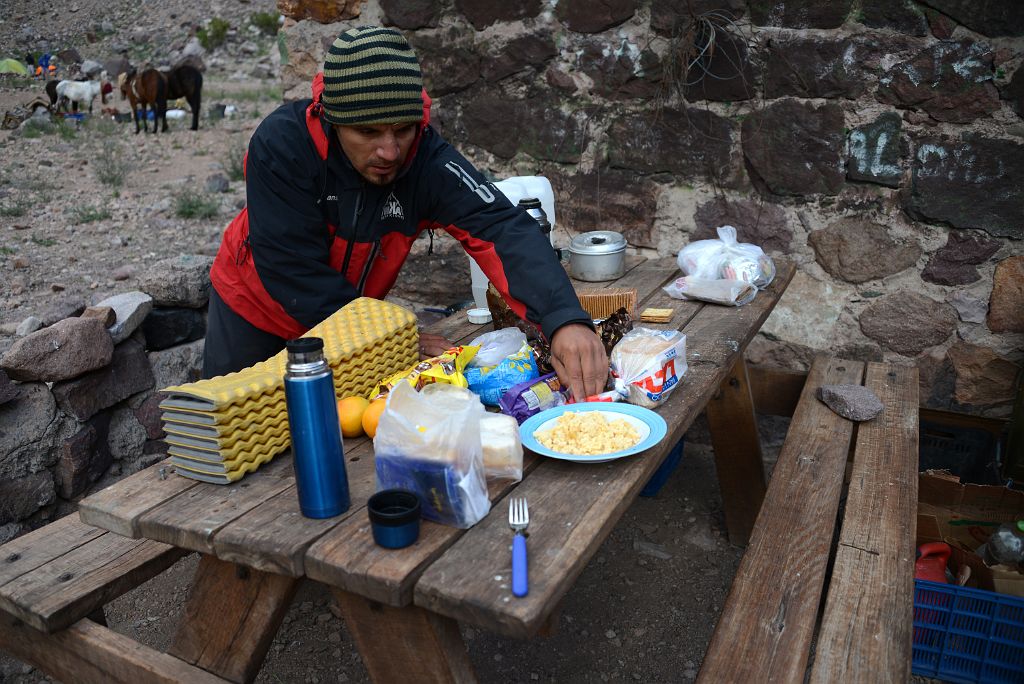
x: 518, y: 520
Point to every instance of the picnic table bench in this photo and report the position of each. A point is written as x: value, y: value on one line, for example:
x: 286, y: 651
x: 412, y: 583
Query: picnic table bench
x: 770, y: 621
x: 403, y: 607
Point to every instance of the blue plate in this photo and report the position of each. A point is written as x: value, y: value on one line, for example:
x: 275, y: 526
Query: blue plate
x: 649, y: 424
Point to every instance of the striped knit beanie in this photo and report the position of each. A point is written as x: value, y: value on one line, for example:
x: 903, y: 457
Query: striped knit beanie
x: 372, y: 76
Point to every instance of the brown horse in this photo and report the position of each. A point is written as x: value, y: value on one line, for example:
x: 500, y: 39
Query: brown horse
x: 146, y: 89
x: 186, y: 81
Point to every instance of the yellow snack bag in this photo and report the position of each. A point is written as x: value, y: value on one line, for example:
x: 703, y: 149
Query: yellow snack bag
x: 447, y: 368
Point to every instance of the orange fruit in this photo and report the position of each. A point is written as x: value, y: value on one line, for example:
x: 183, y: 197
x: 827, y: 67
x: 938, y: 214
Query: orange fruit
x: 371, y: 416
x: 350, y: 415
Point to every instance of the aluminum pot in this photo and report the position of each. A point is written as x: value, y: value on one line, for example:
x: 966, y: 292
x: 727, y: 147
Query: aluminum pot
x: 597, y: 256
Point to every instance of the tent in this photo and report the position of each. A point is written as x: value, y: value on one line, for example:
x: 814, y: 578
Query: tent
x: 13, y: 66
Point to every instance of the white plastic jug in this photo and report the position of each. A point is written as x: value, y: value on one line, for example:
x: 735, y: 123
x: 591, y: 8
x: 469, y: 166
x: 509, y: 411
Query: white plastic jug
x: 515, y: 189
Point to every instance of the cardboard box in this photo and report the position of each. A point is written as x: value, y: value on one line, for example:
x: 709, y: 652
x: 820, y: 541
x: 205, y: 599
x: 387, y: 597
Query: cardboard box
x: 964, y: 516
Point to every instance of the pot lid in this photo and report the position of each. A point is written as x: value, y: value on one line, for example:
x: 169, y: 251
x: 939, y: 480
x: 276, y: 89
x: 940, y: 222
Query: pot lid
x: 598, y: 242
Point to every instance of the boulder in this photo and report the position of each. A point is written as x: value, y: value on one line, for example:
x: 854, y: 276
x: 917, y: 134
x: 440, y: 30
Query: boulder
x: 322, y: 11
x: 761, y: 223
x: 621, y: 74
x: 483, y: 13
x: 410, y: 15
x: 815, y: 67
x: 956, y: 263
x: 179, y: 281
x: 93, y: 69
x: 217, y: 182
x: 23, y: 496
x: 689, y: 143
x: 126, y: 436
x: 65, y: 350
x: 1006, y: 304
x: 178, y: 365
x: 609, y: 200
x: 951, y: 81
x: 104, y: 314
x: 908, y: 322
x: 28, y: 326
x: 165, y: 327
x: 130, y: 310
x: 670, y: 17
x: 530, y: 52
x: 727, y: 76
x: 970, y: 183
x: 898, y: 15
x: 993, y: 18
x: 585, y: 16
x: 858, y: 250
x: 8, y: 390
x: 61, y: 307
x: 1013, y: 91
x: 449, y: 64
x: 983, y: 378
x: 970, y: 308
x: 83, y: 458
x: 794, y: 148
x: 546, y: 133
x: 854, y: 402
x: 800, y: 14
x: 876, y: 151
x: 29, y: 425
x: 128, y: 373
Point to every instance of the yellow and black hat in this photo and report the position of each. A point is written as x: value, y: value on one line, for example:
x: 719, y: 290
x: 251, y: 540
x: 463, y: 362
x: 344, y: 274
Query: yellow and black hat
x: 372, y: 76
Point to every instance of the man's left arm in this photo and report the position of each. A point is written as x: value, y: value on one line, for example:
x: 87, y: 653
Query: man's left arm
x: 518, y: 259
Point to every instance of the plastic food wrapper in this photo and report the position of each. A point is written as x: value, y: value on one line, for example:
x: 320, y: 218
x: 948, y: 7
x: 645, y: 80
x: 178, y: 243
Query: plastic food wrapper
x: 647, y: 365
x: 497, y: 346
x: 613, y: 328
x: 429, y: 442
x: 725, y: 258
x: 491, y: 382
x: 503, y: 449
x: 534, y: 396
x: 447, y: 368
x: 727, y: 292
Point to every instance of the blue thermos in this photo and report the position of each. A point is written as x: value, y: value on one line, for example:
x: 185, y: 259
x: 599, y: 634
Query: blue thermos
x: 317, y: 450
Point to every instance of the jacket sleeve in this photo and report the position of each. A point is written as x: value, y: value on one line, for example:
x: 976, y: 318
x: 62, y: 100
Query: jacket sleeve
x: 504, y: 240
x: 287, y: 230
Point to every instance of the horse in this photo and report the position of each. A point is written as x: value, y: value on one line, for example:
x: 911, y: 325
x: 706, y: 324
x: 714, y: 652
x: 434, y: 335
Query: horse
x: 186, y: 81
x: 148, y: 88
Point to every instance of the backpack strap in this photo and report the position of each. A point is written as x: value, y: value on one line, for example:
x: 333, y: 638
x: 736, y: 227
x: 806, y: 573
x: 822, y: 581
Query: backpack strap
x: 313, y: 123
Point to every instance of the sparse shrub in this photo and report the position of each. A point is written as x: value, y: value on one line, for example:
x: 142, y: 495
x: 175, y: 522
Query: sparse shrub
x: 13, y: 210
x: 214, y: 33
x: 191, y: 203
x: 44, y: 242
x: 266, y: 22
x: 6, y: 251
x: 111, y: 169
x: 89, y: 214
x: 233, y: 160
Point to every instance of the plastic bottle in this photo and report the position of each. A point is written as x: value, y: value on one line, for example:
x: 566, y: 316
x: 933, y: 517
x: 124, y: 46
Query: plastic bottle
x: 1006, y: 545
x: 317, y: 449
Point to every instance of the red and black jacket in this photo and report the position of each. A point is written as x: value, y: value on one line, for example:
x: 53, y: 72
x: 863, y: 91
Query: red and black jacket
x: 282, y: 261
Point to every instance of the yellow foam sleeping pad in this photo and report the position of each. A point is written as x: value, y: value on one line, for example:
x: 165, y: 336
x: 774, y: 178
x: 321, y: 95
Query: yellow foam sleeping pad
x: 221, y: 428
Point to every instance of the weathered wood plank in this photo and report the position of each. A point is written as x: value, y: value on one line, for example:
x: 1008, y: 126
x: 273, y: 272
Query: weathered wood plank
x: 866, y: 633
x: 397, y: 642
x: 71, y: 586
x: 87, y: 653
x: 118, y: 507
x: 766, y: 627
x: 470, y: 581
x: 274, y: 536
x: 190, y: 519
x: 737, y: 446
x: 347, y: 557
x: 775, y: 391
x: 231, y: 618
x: 39, y: 547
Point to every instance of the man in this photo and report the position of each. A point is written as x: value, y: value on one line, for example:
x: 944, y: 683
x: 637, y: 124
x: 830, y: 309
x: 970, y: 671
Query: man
x: 340, y: 186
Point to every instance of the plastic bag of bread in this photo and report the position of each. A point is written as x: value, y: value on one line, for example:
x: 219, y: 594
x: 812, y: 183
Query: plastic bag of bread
x: 647, y: 365
x: 503, y: 450
x: 429, y: 442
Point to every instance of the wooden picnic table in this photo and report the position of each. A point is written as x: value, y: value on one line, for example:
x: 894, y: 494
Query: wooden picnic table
x: 403, y: 606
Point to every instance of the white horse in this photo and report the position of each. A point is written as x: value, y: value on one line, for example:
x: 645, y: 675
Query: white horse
x: 82, y: 92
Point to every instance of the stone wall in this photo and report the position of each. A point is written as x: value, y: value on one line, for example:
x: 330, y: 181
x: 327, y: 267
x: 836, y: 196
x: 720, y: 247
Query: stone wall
x: 879, y: 143
x: 78, y: 396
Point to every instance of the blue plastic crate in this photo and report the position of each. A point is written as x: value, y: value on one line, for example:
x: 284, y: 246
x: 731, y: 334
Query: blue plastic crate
x: 967, y: 635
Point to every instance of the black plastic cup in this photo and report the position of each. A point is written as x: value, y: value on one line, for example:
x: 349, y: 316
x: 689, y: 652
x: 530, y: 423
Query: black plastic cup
x: 394, y: 518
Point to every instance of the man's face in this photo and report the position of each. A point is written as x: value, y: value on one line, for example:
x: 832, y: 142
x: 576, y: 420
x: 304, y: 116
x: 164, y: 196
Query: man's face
x: 377, y: 151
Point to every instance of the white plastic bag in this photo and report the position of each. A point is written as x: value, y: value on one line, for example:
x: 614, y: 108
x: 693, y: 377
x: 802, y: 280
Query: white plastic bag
x: 503, y: 448
x: 647, y: 364
x: 428, y: 442
x: 727, y: 292
x: 725, y: 258
x: 496, y: 346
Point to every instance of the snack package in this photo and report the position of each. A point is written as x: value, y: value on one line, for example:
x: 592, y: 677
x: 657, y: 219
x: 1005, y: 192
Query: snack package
x: 502, y: 447
x: 647, y: 365
x: 533, y: 396
x: 429, y: 442
x: 446, y: 368
x: 725, y: 258
x: 727, y: 292
x: 491, y: 382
